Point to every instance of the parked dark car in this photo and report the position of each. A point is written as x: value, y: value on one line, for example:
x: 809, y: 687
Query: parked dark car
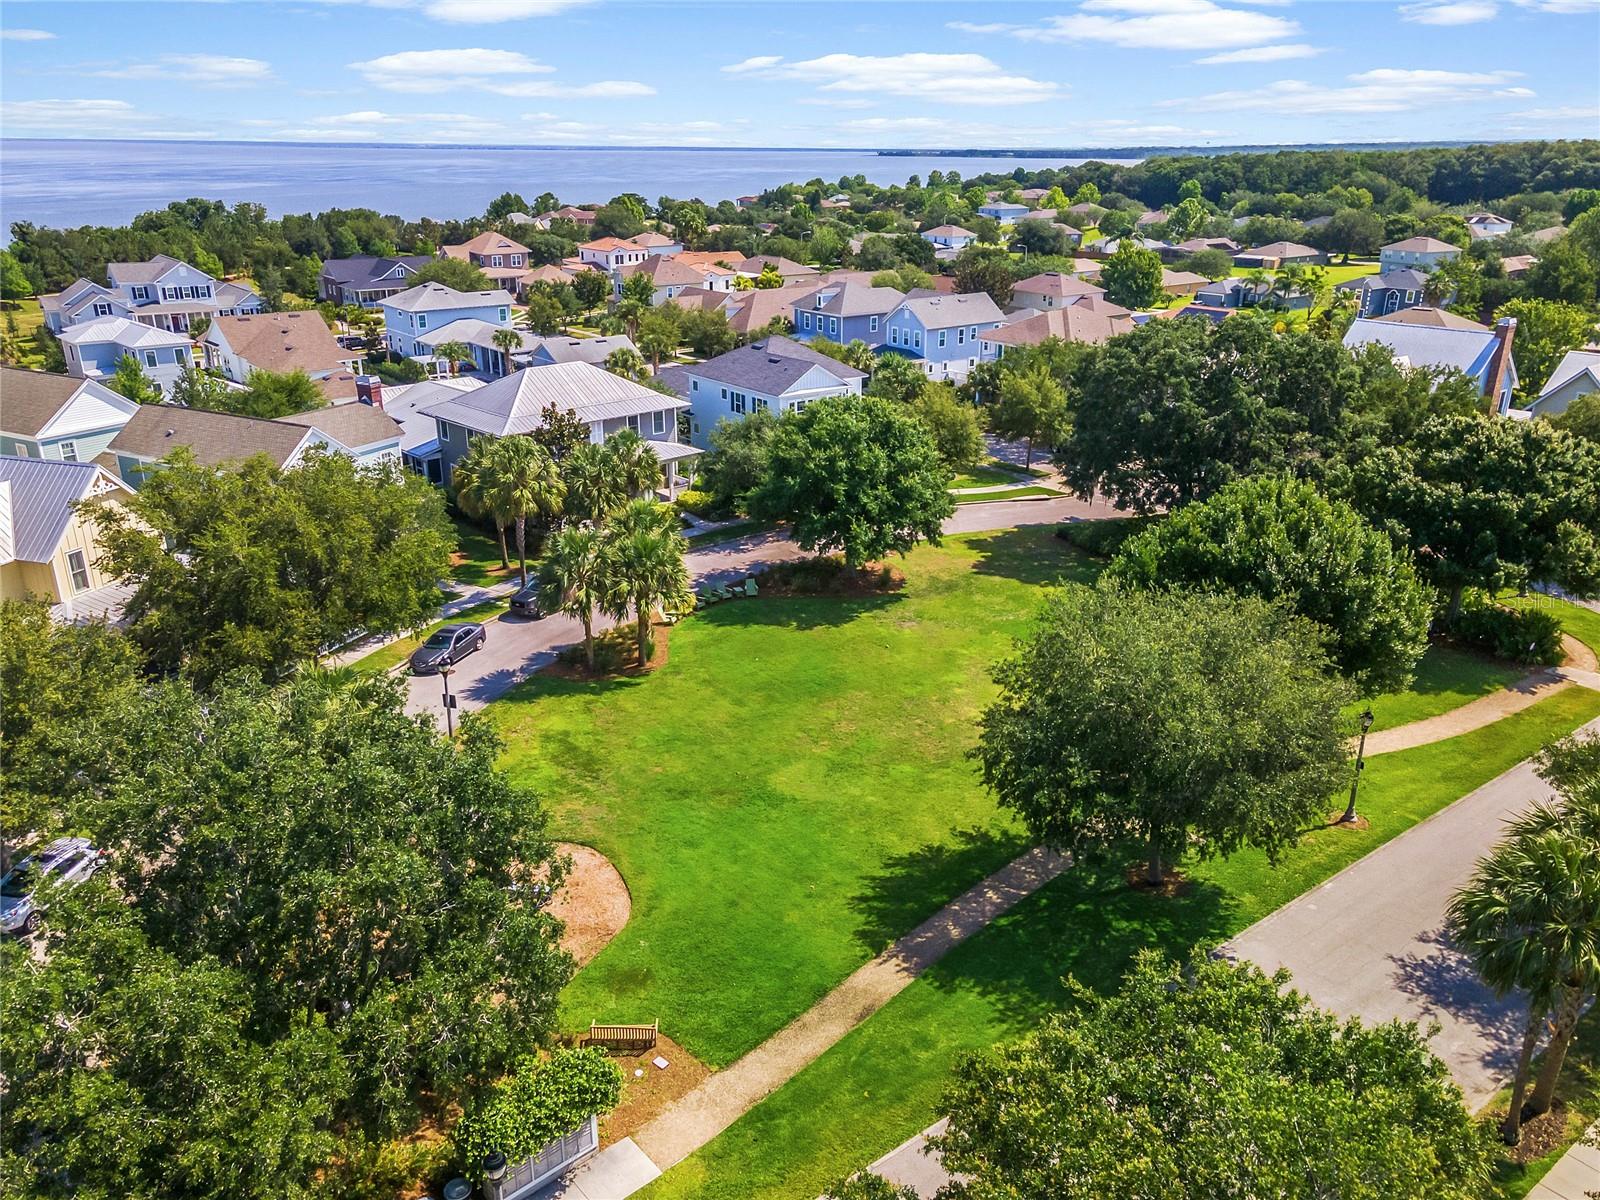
x: 63, y: 861
x: 526, y: 602
x: 447, y: 647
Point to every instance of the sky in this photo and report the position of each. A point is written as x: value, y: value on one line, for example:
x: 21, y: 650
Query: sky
x: 1064, y: 73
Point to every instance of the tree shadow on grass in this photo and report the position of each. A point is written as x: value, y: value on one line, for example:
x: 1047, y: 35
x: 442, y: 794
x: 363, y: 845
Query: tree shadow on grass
x: 1030, y: 554
x: 1087, y: 923
x: 795, y: 612
x: 1442, y: 980
x: 912, y: 886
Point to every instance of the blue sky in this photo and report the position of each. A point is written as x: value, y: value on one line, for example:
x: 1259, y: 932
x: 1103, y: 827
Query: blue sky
x: 823, y: 73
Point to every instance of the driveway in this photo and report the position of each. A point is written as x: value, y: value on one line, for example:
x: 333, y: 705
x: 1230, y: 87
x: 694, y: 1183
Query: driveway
x: 1370, y: 941
x: 516, y: 647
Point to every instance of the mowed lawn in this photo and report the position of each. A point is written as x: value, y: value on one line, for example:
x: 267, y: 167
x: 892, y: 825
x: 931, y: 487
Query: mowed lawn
x: 882, y: 1082
x: 1446, y: 679
x: 789, y: 793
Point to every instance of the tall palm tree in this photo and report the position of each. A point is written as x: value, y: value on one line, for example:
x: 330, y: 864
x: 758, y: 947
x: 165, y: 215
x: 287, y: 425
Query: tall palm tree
x: 473, y: 481
x: 524, y: 482
x: 594, y: 483
x: 645, y: 552
x: 508, y: 342
x: 1530, y: 920
x: 573, y: 570
x: 1255, y: 280
x: 638, y: 467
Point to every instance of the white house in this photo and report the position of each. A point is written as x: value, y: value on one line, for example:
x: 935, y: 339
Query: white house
x: 1004, y: 211
x: 94, y: 348
x: 949, y: 237
x: 609, y: 253
x: 281, y: 342
x: 1419, y: 253
x: 1488, y: 225
x: 1577, y: 374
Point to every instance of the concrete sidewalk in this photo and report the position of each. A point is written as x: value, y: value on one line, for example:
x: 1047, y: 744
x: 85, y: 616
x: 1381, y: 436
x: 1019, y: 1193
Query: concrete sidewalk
x: 1575, y: 1177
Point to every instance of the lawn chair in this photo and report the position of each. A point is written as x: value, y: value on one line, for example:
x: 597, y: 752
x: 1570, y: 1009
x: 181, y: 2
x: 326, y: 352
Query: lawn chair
x: 750, y: 588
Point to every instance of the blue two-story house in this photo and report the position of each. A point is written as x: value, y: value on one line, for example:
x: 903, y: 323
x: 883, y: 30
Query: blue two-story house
x: 93, y: 350
x: 1380, y: 295
x: 430, y: 307
x: 1004, y: 211
x: 164, y: 293
x: 941, y: 332
x: 845, y: 312
x: 774, y: 375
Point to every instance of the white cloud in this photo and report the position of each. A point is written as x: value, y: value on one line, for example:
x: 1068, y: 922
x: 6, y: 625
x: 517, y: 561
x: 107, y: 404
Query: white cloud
x: 489, y: 12
x: 27, y: 35
x: 969, y: 79
x: 369, y: 117
x: 942, y: 132
x: 503, y: 72
x: 1449, y: 12
x: 1153, y: 25
x: 1262, y: 54
x: 1380, y: 91
x: 212, y: 70
x: 833, y: 102
x: 75, y: 116
x: 1562, y: 112
x: 1562, y: 7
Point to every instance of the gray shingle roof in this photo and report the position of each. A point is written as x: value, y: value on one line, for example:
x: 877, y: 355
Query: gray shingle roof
x: 351, y: 425
x: 42, y: 494
x: 145, y: 272
x: 946, y: 312
x: 853, y: 300
x: 1423, y: 245
x: 590, y: 350
x: 772, y: 365
x: 515, y: 403
x: 367, y: 269
x: 431, y: 297
x: 1403, y: 280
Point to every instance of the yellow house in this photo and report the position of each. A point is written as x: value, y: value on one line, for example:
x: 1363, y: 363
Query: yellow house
x: 47, y: 549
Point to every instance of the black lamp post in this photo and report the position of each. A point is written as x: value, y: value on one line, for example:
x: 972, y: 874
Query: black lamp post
x: 494, y: 1166
x: 1361, y: 765
x: 449, y: 703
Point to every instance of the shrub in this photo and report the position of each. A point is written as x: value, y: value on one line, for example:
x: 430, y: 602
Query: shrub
x: 404, y: 371
x: 1520, y: 635
x: 700, y: 504
x: 539, y: 1102
x: 1102, y: 539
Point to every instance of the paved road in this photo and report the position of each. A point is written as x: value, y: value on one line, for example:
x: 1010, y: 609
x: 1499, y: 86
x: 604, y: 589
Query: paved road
x: 516, y: 647
x: 1370, y: 941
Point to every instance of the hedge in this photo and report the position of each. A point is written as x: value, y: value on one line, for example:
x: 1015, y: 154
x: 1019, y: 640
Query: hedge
x: 542, y: 1100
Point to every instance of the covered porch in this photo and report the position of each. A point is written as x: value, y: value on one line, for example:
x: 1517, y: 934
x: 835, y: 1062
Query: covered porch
x: 677, y: 464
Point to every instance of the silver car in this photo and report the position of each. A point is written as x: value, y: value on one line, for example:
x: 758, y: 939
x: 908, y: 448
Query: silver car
x: 64, y: 861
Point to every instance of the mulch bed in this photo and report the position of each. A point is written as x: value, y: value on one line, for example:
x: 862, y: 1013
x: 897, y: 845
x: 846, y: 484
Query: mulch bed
x: 1336, y: 821
x: 1173, y: 883
x: 617, y: 645
x: 1540, y: 1135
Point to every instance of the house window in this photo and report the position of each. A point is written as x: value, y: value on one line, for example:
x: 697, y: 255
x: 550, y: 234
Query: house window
x: 694, y: 385
x: 737, y: 403
x: 833, y: 326
x: 149, y: 358
x: 516, y: 260
x: 633, y: 422
x: 496, y: 261
x: 102, y: 309
x: 872, y: 324
x: 658, y: 421
x: 422, y: 320
x: 760, y: 404
x: 181, y: 356
x: 917, y: 339
x: 894, y: 336
x: 141, y: 292
x: 69, y: 451
x: 79, y: 569
x: 505, y: 314
x: 805, y: 320
x: 941, y: 339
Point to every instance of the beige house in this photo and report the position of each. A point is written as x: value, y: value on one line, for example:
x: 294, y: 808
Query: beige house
x: 282, y: 342
x: 48, y: 550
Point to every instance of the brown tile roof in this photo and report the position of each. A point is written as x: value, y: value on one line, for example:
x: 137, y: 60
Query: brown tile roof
x: 1079, y: 323
x: 1058, y: 284
x: 352, y: 425
x: 488, y: 242
x: 28, y: 399
x: 215, y: 438
x: 1436, y: 318
x: 286, y: 341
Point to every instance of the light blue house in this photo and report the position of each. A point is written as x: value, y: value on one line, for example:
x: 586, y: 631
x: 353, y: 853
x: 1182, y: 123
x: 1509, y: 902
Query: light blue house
x: 845, y: 312
x: 1430, y: 337
x: 1417, y: 253
x: 774, y: 375
x: 82, y: 300
x: 1004, y: 211
x: 941, y: 332
x: 164, y: 292
x: 58, y: 417
x: 949, y: 237
x: 432, y: 306
x: 94, y: 348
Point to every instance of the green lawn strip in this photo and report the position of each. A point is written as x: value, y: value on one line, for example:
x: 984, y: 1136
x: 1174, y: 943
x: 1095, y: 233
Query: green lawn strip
x: 790, y: 793
x: 1579, y: 1090
x: 1446, y: 679
x: 1019, y: 493
x: 988, y: 475
x: 386, y: 657
x: 478, y: 556
x: 27, y: 318
x: 882, y: 1082
x: 729, y: 532
x: 1576, y: 620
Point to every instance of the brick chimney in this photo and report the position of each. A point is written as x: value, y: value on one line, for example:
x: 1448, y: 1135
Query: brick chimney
x: 369, y: 390
x: 1505, y: 329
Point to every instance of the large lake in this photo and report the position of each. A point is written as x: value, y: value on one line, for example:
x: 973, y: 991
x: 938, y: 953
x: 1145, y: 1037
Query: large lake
x: 70, y: 183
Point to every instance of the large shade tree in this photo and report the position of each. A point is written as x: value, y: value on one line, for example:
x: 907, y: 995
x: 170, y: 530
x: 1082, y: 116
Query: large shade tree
x: 1165, y: 723
x: 1486, y: 502
x: 1279, y: 538
x: 1206, y: 1079
x: 1529, y: 918
x: 857, y: 475
x: 257, y: 566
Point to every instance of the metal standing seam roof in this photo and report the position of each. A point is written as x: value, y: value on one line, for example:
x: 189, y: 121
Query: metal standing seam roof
x: 474, y: 331
x: 515, y: 403
x: 121, y: 331
x: 1572, y: 365
x: 1466, y: 350
x: 43, y: 492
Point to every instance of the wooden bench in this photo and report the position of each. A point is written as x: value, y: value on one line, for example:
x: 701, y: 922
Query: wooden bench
x: 623, y: 1037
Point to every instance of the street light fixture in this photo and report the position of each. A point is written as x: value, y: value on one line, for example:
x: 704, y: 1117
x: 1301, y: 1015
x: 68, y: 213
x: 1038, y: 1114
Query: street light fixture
x: 449, y: 702
x: 1349, y: 817
x: 494, y: 1166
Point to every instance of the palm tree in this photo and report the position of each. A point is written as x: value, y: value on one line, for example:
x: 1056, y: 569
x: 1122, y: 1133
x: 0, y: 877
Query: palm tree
x: 573, y: 570
x: 1530, y: 920
x: 453, y: 353
x: 473, y: 481
x: 1255, y: 280
x: 508, y: 342
x: 638, y: 466
x: 859, y: 355
x: 627, y: 363
x: 594, y: 484
x: 645, y: 552
x: 524, y: 482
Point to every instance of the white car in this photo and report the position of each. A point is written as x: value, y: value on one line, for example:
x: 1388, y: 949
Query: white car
x: 63, y: 861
